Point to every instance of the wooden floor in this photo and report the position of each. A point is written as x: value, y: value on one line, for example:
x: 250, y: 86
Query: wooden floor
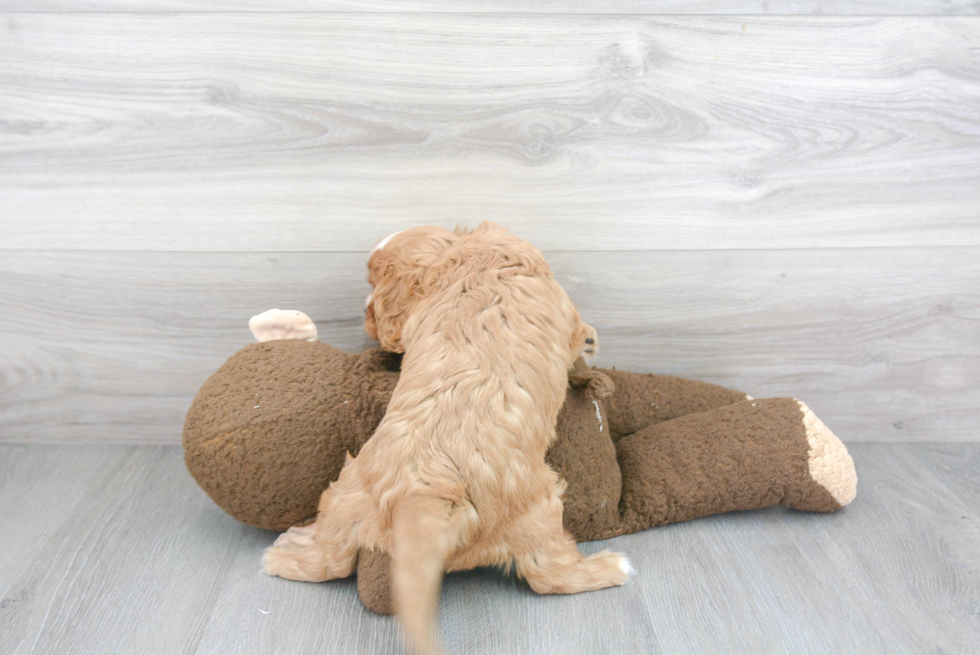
x: 114, y: 549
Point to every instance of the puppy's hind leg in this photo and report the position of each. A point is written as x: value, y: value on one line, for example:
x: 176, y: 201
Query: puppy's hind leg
x: 322, y: 551
x: 553, y: 564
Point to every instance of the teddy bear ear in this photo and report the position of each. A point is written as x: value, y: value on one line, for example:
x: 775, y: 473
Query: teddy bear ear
x: 276, y: 324
x: 393, y: 293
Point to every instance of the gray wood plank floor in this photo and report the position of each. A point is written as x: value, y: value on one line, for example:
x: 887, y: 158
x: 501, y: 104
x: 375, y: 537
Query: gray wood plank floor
x: 113, y: 549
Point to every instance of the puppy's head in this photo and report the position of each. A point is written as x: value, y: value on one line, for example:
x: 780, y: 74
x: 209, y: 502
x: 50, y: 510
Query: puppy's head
x: 403, y: 268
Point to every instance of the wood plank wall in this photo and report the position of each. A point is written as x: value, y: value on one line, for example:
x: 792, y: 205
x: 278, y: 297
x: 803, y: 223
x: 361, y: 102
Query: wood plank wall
x: 783, y: 198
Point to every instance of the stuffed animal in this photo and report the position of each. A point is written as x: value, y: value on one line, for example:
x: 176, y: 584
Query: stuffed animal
x: 270, y: 430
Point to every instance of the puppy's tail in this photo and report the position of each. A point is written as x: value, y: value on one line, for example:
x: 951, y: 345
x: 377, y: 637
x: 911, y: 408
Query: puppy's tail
x: 426, y: 533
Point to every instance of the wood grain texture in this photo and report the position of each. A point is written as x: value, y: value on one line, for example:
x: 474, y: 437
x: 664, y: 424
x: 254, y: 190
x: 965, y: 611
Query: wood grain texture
x: 689, y: 7
x: 883, y: 344
x: 38, y: 507
x: 296, y: 132
x: 141, y: 561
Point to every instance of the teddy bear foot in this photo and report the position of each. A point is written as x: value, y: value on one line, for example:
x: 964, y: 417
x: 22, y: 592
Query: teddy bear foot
x: 829, y: 463
x: 276, y: 324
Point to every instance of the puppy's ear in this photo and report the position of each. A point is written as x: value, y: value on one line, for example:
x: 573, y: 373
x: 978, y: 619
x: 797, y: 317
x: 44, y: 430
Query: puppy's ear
x: 396, y: 288
x: 401, y: 274
x: 370, y: 325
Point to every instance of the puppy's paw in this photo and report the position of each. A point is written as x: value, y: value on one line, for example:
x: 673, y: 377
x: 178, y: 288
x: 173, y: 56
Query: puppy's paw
x: 626, y: 567
x: 591, y: 349
x: 609, y: 569
x: 277, y: 324
x: 293, y: 561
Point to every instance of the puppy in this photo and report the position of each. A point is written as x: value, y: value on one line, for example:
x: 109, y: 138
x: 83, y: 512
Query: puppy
x: 455, y: 477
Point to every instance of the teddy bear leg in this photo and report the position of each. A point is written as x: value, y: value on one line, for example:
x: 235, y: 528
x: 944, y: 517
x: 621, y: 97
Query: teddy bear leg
x: 829, y: 465
x: 641, y: 400
x: 747, y: 455
x: 276, y: 324
x: 374, y: 581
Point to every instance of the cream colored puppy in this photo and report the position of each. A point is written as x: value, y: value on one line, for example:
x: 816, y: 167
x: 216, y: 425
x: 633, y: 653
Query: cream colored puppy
x: 455, y: 475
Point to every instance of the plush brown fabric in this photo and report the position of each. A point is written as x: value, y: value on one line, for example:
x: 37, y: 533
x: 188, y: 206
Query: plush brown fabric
x: 271, y: 428
x: 585, y: 457
x: 746, y: 455
x: 643, y: 400
x: 374, y: 581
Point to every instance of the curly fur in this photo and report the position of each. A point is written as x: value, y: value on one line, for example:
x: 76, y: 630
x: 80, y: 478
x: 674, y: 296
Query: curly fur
x: 455, y: 475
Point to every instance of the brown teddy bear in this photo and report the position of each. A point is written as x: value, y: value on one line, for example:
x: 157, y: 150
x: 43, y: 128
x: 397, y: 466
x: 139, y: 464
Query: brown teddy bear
x: 270, y: 430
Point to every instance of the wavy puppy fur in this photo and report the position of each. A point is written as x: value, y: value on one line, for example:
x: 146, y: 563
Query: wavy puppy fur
x: 455, y: 475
